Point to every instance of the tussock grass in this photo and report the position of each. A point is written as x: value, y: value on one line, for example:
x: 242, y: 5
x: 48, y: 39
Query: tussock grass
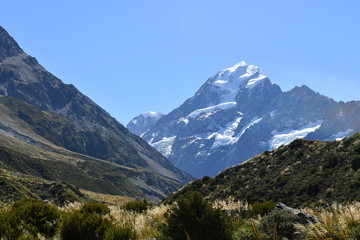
x: 339, y: 221
x: 145, y: 224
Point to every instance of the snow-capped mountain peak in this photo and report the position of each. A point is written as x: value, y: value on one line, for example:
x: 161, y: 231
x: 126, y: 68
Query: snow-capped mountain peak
x: 230, y: 81
x: 239, y: 113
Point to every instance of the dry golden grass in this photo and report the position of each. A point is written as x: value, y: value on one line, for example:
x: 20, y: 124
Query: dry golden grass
x: 106, y: 198
x: 146, y: 224
x: 336, y: 222
x: 230, y: 204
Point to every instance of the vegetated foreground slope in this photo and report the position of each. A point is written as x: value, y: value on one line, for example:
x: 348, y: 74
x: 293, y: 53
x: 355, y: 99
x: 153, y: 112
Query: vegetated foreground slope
x: 302, y: 173
x: 92, y: 130
x: 239, y: 113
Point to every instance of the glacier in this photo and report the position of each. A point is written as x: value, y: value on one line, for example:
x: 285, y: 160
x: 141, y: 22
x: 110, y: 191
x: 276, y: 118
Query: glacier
x: 287, y: 136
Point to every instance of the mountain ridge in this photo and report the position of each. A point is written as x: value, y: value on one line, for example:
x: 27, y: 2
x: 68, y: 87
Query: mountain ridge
x: 61, y: 115
x: 238, y: 113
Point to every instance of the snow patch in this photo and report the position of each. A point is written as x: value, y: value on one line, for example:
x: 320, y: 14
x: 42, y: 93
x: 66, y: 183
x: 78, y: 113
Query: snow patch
x: 287, y: 136
x: 220, y: 82
x: 221, y: 106
x: 255, y: 81
x: 185, y: 120
x: 235, y: 67
x: 164, y: 146
x: 272, y: 113
x: 225, y: 136
x: 341, y: 135
x: 152, y: 114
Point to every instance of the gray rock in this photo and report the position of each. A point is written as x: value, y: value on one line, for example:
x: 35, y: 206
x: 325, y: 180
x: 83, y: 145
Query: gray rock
x: 304, y: 217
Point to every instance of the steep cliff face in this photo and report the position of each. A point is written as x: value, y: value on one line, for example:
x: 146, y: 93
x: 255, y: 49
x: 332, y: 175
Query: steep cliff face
x: 239, y: 113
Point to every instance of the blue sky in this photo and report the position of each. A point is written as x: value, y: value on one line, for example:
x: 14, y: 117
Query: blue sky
x: 151, y: 55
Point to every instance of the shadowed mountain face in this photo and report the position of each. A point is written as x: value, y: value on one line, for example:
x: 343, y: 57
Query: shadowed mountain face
x: 239, y: 113
x: 303, y: 173
x: 75, y: 123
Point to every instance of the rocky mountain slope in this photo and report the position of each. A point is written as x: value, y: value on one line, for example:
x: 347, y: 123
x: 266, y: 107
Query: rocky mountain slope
x: 302, y: 173
x: 239, y: 113
x: 29, y: 144
x: 58, y: 114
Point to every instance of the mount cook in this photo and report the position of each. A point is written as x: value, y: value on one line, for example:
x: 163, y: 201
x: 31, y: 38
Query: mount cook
x: 239, y: 113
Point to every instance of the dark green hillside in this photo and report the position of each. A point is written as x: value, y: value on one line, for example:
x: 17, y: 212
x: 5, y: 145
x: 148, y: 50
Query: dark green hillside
x: 52, y: 163
x: 33, y: 142
x: 302, y: 173
x: 84, y: 127
x: 16, y: 186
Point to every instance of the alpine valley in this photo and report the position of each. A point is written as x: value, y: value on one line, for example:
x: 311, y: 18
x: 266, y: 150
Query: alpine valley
x: 239, y: 113
x: 53, y: 135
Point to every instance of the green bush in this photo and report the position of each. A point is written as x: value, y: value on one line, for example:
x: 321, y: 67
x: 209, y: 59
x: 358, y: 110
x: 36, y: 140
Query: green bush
x: 84, y: 225
x: 95, y: 207
x: 354, y: 228
x: 261, y: 209
x: 280, y: 224
x: 119, y: 233
x: 137, y: 206
x: 27, y: 236
x: 194, y: 218
x: 244, y: 232
x: 30, y: 215
x: 9, y: 225
x: 89, y: 222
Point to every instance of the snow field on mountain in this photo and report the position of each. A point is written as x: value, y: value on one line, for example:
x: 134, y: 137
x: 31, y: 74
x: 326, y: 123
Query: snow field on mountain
x: 287, y: 136
x: 164, y: 146
x: 221, y: 106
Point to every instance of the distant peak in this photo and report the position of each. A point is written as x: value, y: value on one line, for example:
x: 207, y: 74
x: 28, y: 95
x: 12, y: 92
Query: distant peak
x: 143, y: 122
x: 152, y: 114
x: 302, y: 88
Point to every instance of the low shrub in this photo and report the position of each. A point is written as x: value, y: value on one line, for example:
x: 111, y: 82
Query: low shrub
x: 244, y: 231
x: 31, y: 216
x: 9, y: 225
x: 280, y: 224
x: 84, y: 225
x: 95, y: 207
x: 116, y: 232
x: 137, y: 206
x: 194, y: 218
x: 261, y: 209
